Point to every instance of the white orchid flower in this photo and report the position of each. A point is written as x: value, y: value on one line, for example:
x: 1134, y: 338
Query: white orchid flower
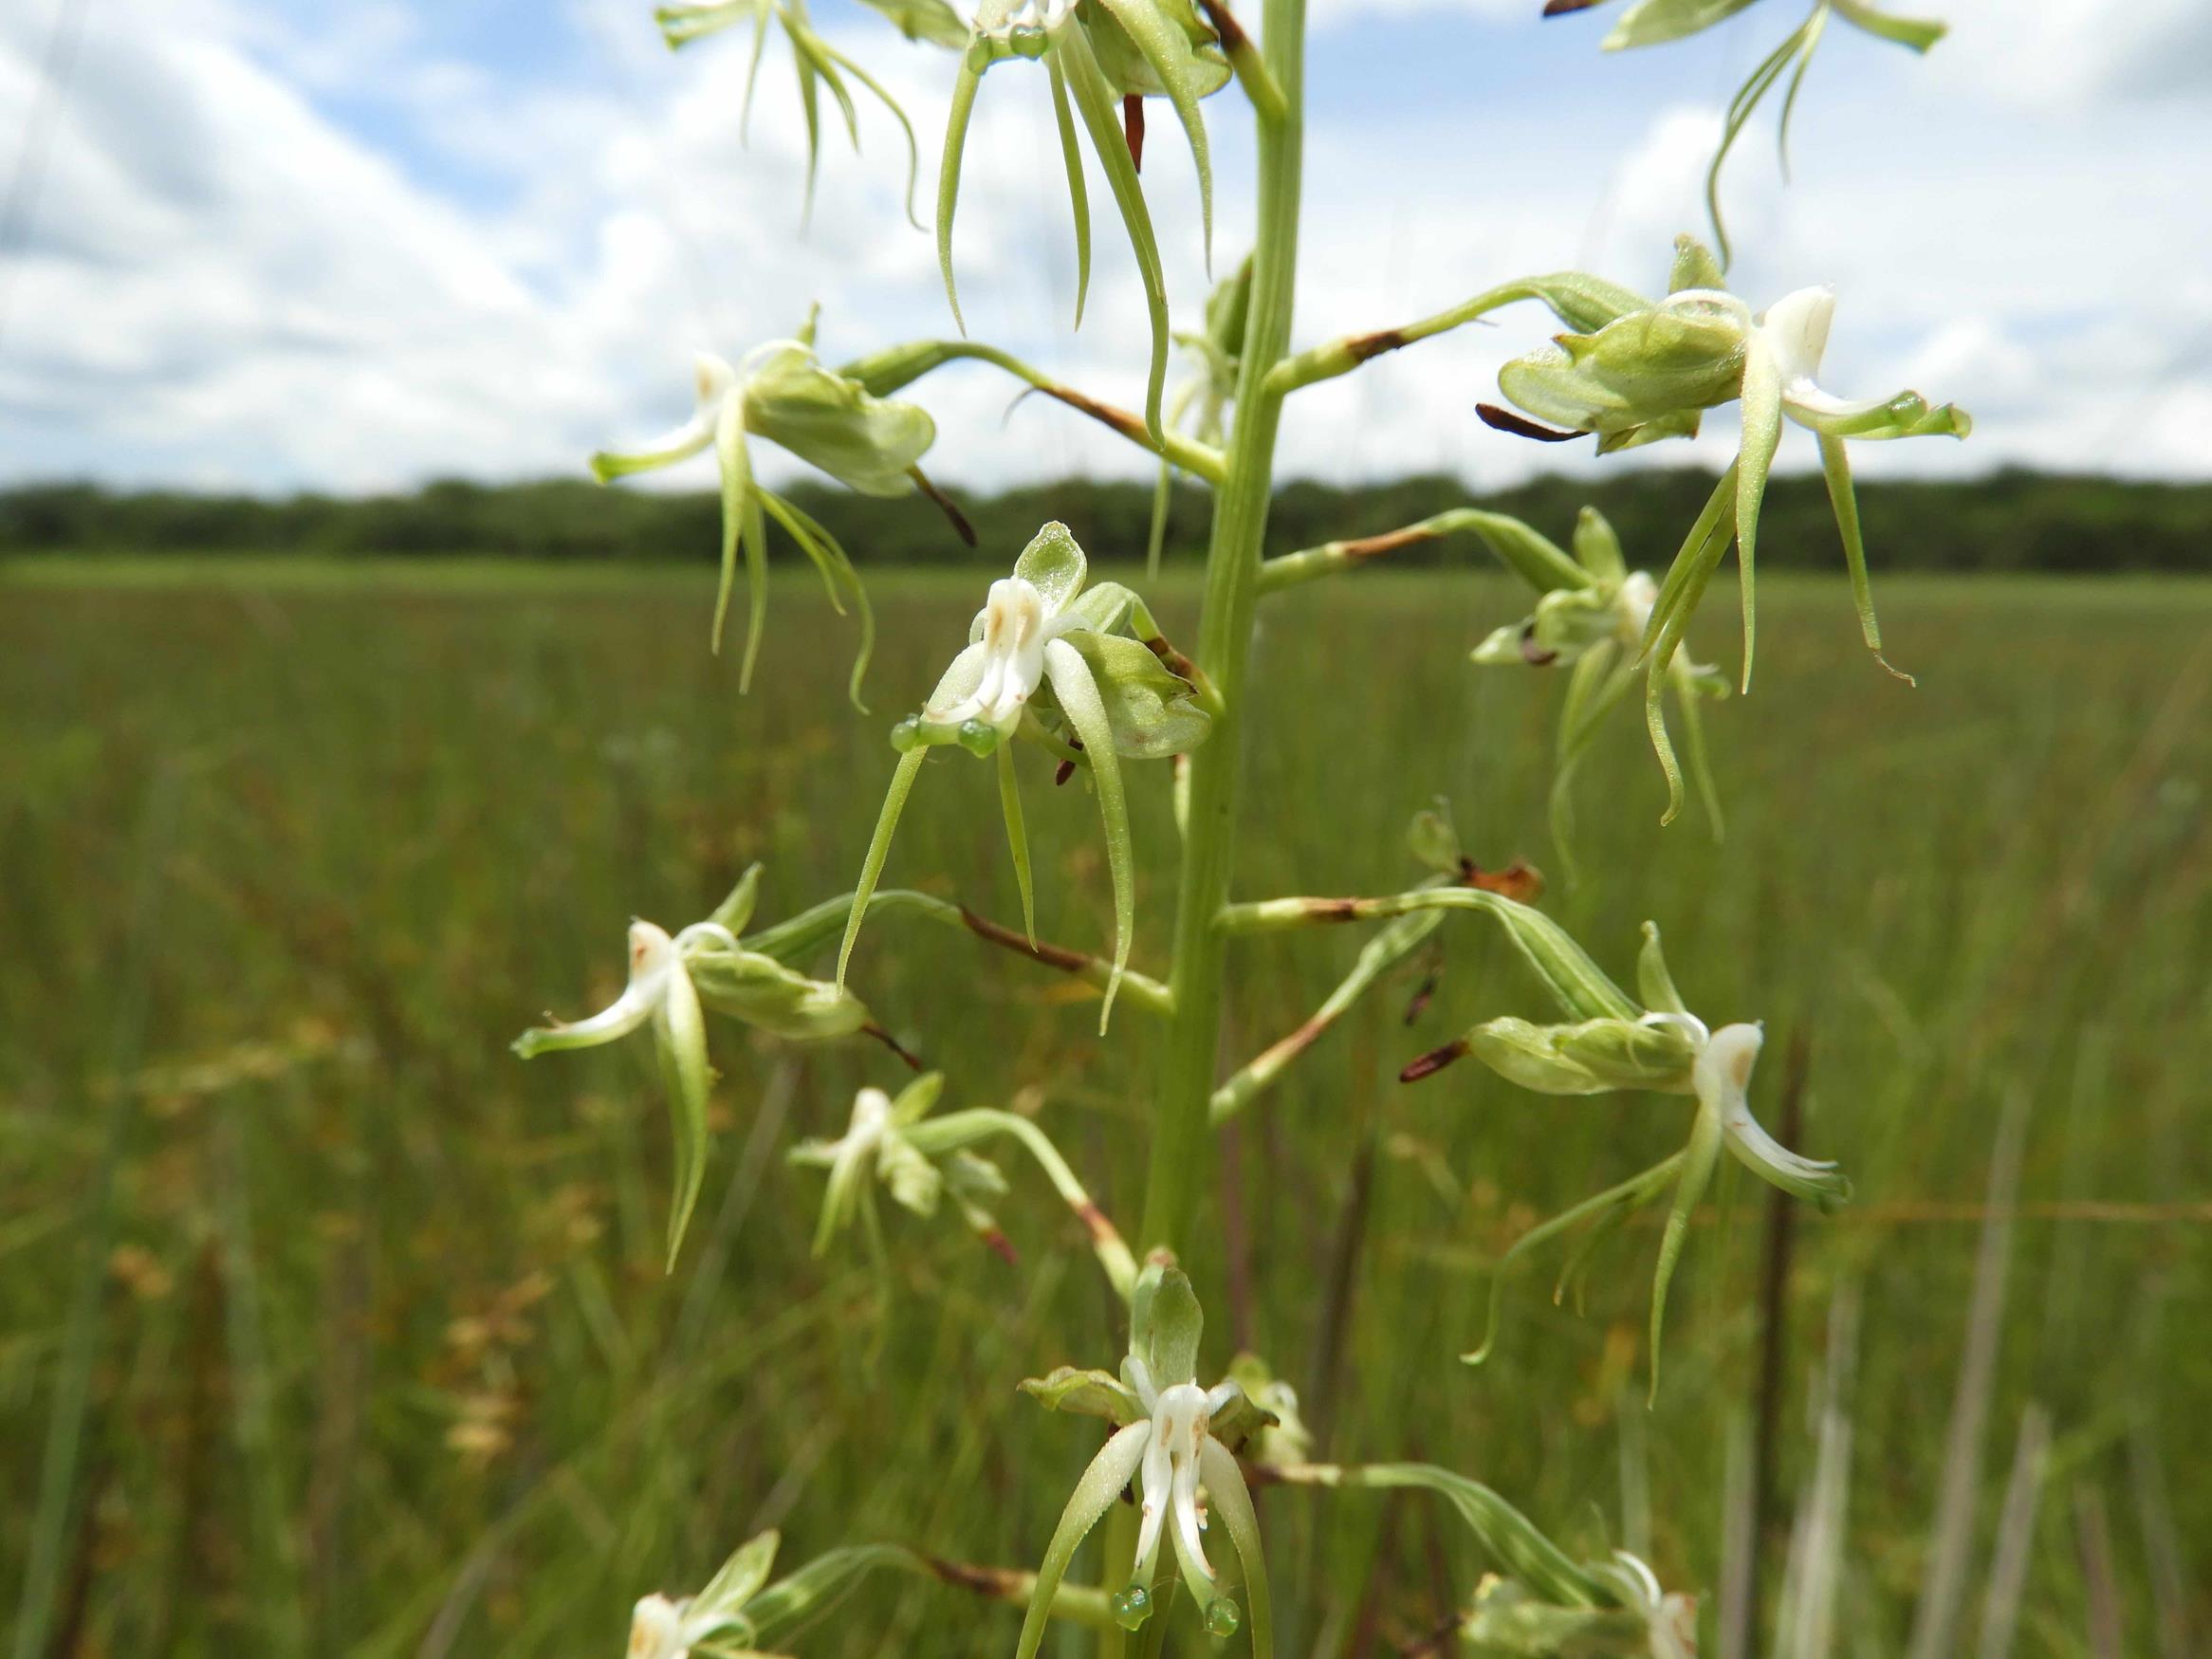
x: 781, y: 392
x: 1112, y: 697
x: 1177, y: 1453
x: 1183, y: 1471
x: 1592, y: 615
x: 874, y: 1147
x: 660, y: 991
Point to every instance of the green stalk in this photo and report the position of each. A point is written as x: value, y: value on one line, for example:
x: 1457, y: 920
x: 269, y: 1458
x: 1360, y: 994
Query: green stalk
x: 1190, y: 1063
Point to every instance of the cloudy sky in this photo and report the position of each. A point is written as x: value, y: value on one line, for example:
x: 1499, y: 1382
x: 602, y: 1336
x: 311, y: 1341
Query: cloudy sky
x: 355, y: 244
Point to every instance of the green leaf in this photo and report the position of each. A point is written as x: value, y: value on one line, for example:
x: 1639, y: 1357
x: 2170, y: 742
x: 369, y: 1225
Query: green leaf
x: 1799, y: 41
x: 956, y: 119
x: 1653, y: 983
x: 1017, y: 839
x: 737, y: 909
x: 1575, y: 981
x: 1166, y: 1324
x: 1512, y: 1540
x: 1597, y: 549
x: 743, y: 529
x: 741, y: 1576
x: 796, y: 1601
x: 679, y: 1033
x: 1652, y: 23
x: 1063, y: 122
x: 1089, y: 1394
x: 1052, y: 564
x: 1156, y: 534
x: 1912, y: 32
x: 1524, y: 550
x: 902, y: 783
x: 829, y: 557
x: 1077, y: 690
x: 1151, y: 712
x: 1843, y: 501
x: 925, y: 20
x: 1697, y: 1169
x: 867, y: 443
x: 1433, y: 839
x: 1762, y: 436
x: 1095, y: 1493
x: 1232, y: 1502
x: 1168, y: 51
x: 916, y: 1100
x: 1694, y: 267
x: 1095, y: 102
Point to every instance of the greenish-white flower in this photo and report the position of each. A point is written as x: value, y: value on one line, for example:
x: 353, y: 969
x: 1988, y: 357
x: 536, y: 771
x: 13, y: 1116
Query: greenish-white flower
x: 1050, y: 661
x: 671, y: 980
x: 1175, y: 1444
x: 1102, y: 58
x: 1651, y: 372
x: 781, y: 392
x: 1592, y: 617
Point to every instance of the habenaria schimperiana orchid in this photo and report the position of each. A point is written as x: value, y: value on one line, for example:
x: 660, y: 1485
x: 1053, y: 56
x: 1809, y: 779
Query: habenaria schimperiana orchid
x: 1176, y: 1444
x: 1081, y: 671
x: 781, y: 392
x: 1591, y: 617
x: 1104, y: 57
x: 708, y: 964
x: 1649, y: 372
x: 1081, y: 675
x: 1614, y: 1042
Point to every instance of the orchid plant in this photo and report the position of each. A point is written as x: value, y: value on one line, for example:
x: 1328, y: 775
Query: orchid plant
x: 1059, y: 671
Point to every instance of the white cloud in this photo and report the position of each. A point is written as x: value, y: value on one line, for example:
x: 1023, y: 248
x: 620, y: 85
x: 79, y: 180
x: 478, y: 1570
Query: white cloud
x: 478, y: 273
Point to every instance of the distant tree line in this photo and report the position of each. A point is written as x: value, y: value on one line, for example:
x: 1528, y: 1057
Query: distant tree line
x: 2016, y: 521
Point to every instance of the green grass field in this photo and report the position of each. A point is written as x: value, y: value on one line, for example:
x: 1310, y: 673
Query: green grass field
x: 386, y: 1361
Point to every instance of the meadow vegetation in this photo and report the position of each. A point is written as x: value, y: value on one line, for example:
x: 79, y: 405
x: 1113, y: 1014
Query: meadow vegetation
x: 386, y: 1360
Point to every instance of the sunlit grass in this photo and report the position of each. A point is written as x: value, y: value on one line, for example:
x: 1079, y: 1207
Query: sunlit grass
x: 386, y: 1359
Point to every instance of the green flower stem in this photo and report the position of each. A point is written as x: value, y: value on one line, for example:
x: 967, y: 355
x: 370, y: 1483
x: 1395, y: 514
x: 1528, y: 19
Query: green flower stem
x: 821, y: 924
x: 1080, y: 1604
x: 1332, y: 558
x: 1189, y: 1063
x: 1244, y: 58
x: 937, y: 1136
x: 1384, y: 951
x: 1347, y: 352
x: 917, y: 358
x: 1509, y: 1536
x: 1575, y: 982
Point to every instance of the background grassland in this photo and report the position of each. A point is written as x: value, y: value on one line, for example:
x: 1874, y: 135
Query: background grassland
x: 387, y: 1362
